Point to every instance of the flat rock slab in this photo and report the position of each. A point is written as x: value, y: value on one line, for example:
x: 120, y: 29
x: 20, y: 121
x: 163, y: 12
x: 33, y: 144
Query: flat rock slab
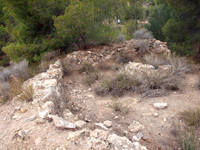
x: 160, y: 105
x: 60, y: 123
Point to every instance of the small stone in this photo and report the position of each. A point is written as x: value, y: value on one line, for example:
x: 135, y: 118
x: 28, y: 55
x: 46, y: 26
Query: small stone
x: 22, y: 110
x: 165, y: 119
x: 16, y: 117
x: 80, y: 124
x: 135, y: 139
x: 137, y: 145
x: 155, y: 114
x: 139, y: 135
x: 160, y: 105
x: 116, y: 117
x: 135, y: 127
x: 61, y: 148
x: 32, y: 118
x: 38, y: 141
x: 35, y: 103
x: 40, y: 121
x: 48, y: 104
x: 90, y: 90
x: 68, y: 115
x: 107, y: 124
x: 43, y: 114
x: 70, y: 81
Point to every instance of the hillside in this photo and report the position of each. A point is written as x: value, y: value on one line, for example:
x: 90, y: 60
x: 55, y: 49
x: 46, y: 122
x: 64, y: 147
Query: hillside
x: 125, y: 96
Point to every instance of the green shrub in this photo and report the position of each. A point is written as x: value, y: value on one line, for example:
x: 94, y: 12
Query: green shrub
x: 181, y: 49
x: 129, y: 28
x: 87, y: 67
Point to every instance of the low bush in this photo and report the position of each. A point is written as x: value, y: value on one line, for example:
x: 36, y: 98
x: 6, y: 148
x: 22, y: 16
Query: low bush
x: 121, y: 38
x: 142, y: 34
x: 91, y: 78
x: 104, y: 66
x: 87, y: 67
x: 124, y: 57
x: 4, y: 90
x: 66, y: 67
x: 142, y: 45
x: 149, y: 83
x: 19, y: 69
x: 5, y: 75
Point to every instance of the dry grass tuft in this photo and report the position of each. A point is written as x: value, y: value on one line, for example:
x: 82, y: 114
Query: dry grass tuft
x: 179, y: 65
x: 27, y: 93
x: 119, y: 106
x: 149, y: 83
x: 191, y: 116
x: 154, y: 60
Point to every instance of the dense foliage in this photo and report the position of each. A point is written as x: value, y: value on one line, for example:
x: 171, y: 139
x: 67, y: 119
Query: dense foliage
x: 29, y: 28
x: 178, y: 23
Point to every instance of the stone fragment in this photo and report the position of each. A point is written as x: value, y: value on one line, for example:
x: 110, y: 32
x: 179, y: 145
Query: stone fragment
x: 61, y: 148
x: 68, y: 116
x: 16, y: 117
x: 40, y: 121
x: 80, y: 124
x: 35, y: 103
x: 101, y: 125
x: 120, y: 142
x: 160, y: 105
x: 48, y: 105
x: 135, y: 127
x: 155, y: 114
x: 107, y: 124
x: 97, y: 133
x: 38, y: 141
x: 165, y: 119
x: 23, y: 110
x: 97, y: 144
x: 60, y: 123
x: 43, y: 114
x: 135, y: 139
x: 31, y: 118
